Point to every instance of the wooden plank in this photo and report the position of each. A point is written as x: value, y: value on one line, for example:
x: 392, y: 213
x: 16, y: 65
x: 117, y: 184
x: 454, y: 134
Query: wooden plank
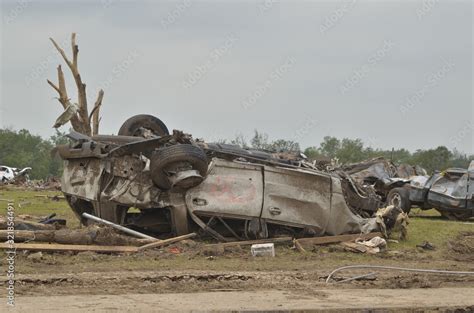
x: 162, y: 243
x: 252, y: 242
x: 298, y: 246
x: 74, y: 248
x: 336, y: 239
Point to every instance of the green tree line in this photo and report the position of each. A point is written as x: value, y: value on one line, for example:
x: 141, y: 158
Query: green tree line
x: 22, y: 149
x: 348, y: 150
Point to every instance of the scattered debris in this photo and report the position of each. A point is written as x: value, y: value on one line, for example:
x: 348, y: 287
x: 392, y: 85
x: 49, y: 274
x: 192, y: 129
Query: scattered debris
x: 84, y: 236
x: 309, y: 242
x: 51, y: 220
x: 391, y: 220
x: 263, y: 249
x: 165, y: 242
x: 394, y: 268
x: 369, y: 276
x: 69, y: 248
x: 426, y: 245
x: 251, y: 242
x: 14, y: 175
x: 29, y: 225
x: 35, y: 257
x: 372, y: 246
x: 54, y: 198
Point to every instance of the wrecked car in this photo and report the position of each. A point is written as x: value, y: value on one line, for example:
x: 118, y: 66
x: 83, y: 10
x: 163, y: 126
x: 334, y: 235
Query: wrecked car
x: 11, y: 173
x: 149, y: 179
x: 450, y: 192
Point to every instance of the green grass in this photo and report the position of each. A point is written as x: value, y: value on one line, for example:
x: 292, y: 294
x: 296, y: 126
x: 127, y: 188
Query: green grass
x: 32, y: 203
x: 433, y: 229
x: 428, y: 227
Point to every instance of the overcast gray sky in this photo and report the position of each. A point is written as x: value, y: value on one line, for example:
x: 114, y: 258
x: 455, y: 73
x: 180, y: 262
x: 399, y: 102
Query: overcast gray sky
x: 395, y: 74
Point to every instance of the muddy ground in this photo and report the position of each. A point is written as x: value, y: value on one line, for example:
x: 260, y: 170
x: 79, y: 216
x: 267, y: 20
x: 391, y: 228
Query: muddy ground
x: 181, y: 268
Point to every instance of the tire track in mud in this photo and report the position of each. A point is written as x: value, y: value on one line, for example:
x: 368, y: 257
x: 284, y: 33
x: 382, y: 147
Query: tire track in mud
x: 196, y: 281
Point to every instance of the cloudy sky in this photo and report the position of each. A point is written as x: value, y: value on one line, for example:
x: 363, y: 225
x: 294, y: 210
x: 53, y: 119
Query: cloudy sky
x: 393, y: 73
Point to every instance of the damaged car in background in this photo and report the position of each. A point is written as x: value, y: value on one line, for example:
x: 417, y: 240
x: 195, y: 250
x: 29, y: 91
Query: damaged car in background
x: 450, y: 192
x: 148, y: 179
x: 10, y: 174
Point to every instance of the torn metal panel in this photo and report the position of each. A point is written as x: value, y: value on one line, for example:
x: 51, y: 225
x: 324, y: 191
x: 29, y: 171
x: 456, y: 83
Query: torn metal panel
x: 81, y: 178
x: 231, y: 189
x: 296, y: 197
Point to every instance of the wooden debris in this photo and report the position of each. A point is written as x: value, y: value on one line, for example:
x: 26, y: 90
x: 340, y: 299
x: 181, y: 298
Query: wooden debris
x: 298, y: 246
x: 91, y: 235
x: 74, y: 248
x: 251, y: 242
x: 165, y: 242
x: 354, y: 247
x: 336, y: 239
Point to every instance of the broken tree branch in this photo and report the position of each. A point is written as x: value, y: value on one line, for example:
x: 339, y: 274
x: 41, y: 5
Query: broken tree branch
x: 75, y: 50
x: 54, y: 86
x: 61, y: 51
x: 95, y: 113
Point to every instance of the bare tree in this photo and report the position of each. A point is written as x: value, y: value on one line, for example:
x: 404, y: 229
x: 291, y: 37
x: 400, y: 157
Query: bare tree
x: 76, y: 113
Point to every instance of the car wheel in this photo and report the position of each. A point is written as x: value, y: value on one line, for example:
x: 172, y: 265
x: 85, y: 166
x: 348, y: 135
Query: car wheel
x: 143, y: 125
x: 172, y: 160
x: 399, y: 197
x: 455, y: 216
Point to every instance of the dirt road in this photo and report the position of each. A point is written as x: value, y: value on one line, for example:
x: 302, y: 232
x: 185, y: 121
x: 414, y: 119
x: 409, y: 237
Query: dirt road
x: 183, y: 291
x: 438, y: 299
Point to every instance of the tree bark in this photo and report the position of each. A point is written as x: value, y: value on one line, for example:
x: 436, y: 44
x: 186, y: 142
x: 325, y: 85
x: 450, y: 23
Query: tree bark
x: 82, y: 122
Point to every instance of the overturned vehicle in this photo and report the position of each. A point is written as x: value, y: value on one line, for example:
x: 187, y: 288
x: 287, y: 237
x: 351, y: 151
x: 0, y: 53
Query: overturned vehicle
x: 148, y: 179
x: 450, y: 192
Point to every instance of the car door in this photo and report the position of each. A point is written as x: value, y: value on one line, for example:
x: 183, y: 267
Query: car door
x: 296, y: 197
x: 230, y: 190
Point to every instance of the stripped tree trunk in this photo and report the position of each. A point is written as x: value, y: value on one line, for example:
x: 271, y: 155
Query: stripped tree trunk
x: 81, y: 121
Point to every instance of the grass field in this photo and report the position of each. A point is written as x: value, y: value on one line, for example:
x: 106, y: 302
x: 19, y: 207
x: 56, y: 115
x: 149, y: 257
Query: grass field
x: 424, y: 226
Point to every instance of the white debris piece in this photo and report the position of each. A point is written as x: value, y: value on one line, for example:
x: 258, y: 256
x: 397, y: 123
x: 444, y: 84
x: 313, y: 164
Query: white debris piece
x: 263, y: 249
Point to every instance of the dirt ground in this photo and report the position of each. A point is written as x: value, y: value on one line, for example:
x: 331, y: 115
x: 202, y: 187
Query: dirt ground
x: 189, y: 277
x: 326, y: 300
x: 160, y: 280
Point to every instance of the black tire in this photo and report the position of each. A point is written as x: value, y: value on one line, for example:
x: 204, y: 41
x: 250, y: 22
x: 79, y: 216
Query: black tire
x: 400, y: 197
x: 173, y: 158
x: 132, y: 126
